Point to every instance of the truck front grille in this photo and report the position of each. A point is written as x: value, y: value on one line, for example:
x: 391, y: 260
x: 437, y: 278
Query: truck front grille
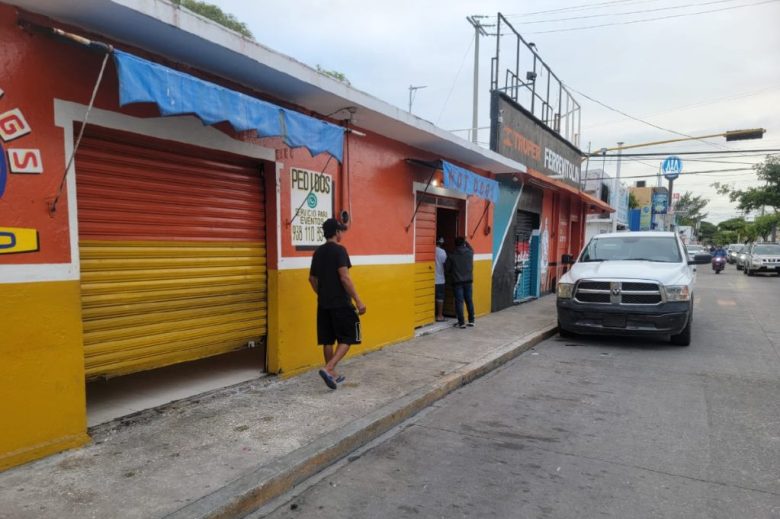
x: 618, y: 292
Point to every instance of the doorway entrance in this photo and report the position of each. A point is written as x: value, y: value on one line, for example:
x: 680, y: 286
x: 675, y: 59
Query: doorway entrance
x: 437, y: 216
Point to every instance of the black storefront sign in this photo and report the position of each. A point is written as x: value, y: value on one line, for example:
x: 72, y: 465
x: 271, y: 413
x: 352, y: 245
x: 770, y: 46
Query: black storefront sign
x: 517, y: 134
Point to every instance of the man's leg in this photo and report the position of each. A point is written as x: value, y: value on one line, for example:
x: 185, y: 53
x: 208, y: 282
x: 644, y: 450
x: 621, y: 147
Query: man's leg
x: 458, y: 289
x: 467, y: 294
x: 330, y: 367
x: 439, y: 297
x: 327, y: 351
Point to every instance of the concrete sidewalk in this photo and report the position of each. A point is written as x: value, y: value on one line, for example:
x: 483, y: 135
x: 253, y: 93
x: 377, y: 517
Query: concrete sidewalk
x: 226, y: 453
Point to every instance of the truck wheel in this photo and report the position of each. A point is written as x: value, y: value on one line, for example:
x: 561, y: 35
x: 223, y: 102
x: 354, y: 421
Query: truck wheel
x: 565, y: 334
x: 684, y: 337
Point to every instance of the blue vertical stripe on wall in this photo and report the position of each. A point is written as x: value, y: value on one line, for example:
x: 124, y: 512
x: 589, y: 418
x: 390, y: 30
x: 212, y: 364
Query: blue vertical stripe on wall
x: 503, y: 215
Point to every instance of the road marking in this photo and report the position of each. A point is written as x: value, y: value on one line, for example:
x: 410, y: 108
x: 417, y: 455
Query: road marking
x: 726, y: 302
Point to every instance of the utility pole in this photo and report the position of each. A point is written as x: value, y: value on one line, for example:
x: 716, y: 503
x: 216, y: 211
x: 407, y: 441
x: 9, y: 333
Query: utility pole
x: 479, y: 30
x: 616, y: 187
x: 412, y: 89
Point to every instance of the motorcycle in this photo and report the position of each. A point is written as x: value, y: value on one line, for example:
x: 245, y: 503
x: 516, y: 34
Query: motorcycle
x: 718, y: 263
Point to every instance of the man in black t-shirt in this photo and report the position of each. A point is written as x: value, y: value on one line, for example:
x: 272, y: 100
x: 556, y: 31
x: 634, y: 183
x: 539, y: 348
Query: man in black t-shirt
x: 338, y: 320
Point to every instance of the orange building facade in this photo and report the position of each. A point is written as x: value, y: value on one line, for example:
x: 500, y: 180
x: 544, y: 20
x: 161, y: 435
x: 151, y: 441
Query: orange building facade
x: 169, y: 240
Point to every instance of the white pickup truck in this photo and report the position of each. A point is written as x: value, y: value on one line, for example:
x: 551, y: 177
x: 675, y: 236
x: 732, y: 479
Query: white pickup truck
x: 630, y: 283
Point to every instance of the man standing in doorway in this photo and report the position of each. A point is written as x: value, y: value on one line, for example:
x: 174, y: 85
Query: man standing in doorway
x: 338, y: 320
x: 460, y: 267
x: 439, y: 280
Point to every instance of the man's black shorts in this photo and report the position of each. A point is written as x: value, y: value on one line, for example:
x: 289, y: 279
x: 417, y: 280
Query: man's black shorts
x: 340, y: 325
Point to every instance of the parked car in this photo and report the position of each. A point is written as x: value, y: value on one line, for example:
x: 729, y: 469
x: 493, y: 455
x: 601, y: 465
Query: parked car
x: 762, y: 257
x: 629, y: 283
x: 694, y: 250
x: 732, y: 249
x: 740, y: 254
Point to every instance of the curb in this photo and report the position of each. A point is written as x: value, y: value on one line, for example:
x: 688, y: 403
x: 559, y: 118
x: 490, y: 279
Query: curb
x: 252, y: 490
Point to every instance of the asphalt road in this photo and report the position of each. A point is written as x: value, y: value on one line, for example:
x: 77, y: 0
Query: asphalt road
x: 591, y: 428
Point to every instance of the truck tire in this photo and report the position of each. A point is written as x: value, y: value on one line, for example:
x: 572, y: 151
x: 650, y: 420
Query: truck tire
x: 565, y: 334
x: 684, y: 337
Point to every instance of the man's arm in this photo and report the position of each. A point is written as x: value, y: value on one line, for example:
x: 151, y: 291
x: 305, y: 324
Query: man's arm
x: 313, y: 281
x: 346, y: 282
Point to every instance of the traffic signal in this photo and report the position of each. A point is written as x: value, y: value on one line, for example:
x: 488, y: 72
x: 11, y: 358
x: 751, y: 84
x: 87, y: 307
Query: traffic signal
x: 744, y: 135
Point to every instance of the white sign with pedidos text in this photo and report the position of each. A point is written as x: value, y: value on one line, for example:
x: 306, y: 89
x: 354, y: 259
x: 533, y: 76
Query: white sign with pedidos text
x: 311, y: 197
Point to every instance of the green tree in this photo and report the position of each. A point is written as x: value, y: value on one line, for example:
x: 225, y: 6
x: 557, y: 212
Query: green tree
x: 689, y: 208
x: 723, y: 237
x: 756, y: 198
x: 632, y: 201
x: 765, y: 225
x: 335, y: 74
x: 733, y: 224
x: 707, y: 232
x: 212, y: 12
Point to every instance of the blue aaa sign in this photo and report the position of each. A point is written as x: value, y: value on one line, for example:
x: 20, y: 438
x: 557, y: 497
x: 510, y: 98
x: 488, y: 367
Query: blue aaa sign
x: 672, y: 167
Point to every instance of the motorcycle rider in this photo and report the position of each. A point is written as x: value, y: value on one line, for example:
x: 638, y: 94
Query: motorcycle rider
x: 719, y: 258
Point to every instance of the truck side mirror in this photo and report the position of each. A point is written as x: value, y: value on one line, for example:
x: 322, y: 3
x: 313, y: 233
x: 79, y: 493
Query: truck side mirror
x: 567, y: 259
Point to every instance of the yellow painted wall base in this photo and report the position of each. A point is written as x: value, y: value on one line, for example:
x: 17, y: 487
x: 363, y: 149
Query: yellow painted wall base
x: 43, y: 401
x: 483, y: 286
x: 386, y: 290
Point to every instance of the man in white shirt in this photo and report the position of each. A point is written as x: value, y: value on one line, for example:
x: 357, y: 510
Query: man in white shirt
x: 441, y: 257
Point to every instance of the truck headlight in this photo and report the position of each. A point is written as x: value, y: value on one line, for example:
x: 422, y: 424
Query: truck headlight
x: 565, y: 290
x: 678, y: 293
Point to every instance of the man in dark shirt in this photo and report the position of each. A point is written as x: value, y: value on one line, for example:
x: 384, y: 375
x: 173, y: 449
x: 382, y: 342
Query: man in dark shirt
x: 338, y: 320
x: 460, y: 267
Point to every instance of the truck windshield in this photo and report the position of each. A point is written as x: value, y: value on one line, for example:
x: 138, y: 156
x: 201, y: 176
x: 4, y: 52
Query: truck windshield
x: 632, y: 248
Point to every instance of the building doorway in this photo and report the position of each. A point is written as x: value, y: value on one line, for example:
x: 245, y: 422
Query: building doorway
x: 436, y: 216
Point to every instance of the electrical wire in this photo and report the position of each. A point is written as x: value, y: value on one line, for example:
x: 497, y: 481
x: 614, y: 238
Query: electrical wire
x: 580, y: 7
x: 703, y: 172
x: 638, y: 119
x: 666, y: 153
x: 455, y: 81
x: 691, y: 106
x: 655, y: 10
x: 644, y: 20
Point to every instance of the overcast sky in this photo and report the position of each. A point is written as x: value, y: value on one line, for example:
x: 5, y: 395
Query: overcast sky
x: 698, y: 74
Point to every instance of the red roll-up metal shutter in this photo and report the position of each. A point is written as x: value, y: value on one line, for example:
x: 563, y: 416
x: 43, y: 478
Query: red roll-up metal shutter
x: 172, y: 249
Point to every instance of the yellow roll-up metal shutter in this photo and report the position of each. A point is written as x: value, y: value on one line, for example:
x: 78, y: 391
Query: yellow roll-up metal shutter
x: 173, y: 255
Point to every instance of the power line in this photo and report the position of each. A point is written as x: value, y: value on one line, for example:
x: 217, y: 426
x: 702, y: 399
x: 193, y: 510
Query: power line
x: 580, y: 7
x: 637, y: 118
x: 455, y: 81
x: 653, y: 19
x: 655, y: 10
x: 694, y: 105
x: 648, y: 175
x: 666, y: 153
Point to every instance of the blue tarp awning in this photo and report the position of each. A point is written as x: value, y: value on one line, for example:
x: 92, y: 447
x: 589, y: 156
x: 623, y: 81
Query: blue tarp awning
x: 177, y: 93
x: 469, y: 182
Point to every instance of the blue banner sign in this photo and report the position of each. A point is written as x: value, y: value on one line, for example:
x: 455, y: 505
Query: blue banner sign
x: 469, y: 182
x: 660, y: 203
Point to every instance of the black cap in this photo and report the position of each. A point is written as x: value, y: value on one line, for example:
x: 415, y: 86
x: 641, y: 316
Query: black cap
x: 330, y: 226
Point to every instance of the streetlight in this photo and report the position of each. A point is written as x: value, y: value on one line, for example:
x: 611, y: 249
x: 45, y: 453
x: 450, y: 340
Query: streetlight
x: 730, y: 135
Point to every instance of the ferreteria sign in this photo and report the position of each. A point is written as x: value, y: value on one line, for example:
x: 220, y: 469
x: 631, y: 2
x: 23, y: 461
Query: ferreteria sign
x: 311, y: 203
x: 516, y: 134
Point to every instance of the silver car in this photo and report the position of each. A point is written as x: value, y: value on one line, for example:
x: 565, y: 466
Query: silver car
x: 740, y: 253
x: 762, y: 257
